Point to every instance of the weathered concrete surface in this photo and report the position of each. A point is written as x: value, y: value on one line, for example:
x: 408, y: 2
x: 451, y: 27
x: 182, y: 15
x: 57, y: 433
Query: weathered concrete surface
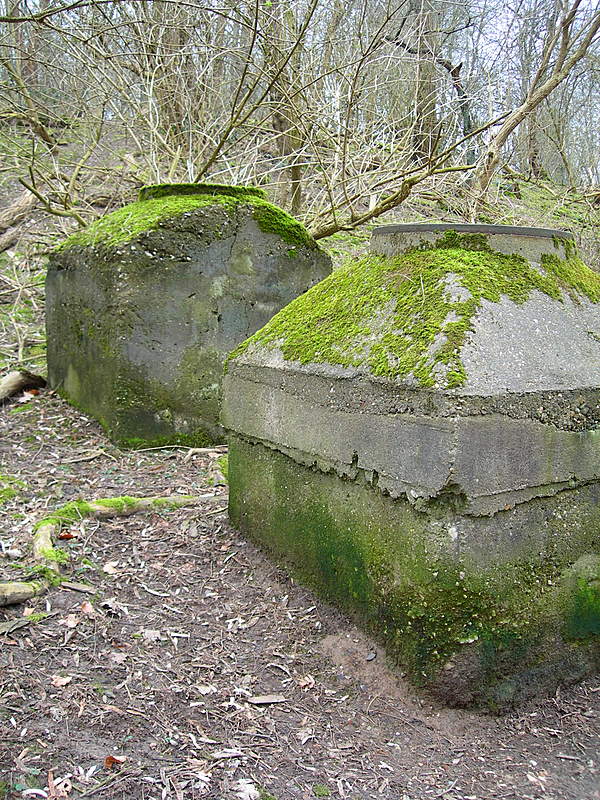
x: 449, y: 519
x: 495, y: 460
x: 475, y: 628
x: 138, y: 329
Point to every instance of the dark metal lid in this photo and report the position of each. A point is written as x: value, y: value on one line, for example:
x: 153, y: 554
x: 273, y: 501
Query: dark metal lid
x: 509, y: 230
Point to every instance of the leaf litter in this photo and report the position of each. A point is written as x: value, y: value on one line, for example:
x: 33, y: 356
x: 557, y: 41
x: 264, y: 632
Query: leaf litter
x: 196, y: 668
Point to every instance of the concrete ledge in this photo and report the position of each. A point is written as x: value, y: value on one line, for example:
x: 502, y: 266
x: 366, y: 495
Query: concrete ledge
x: 493, y: 461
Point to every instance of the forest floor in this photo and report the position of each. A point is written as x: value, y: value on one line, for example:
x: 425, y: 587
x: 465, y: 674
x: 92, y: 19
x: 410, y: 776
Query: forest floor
x: 195, y: 668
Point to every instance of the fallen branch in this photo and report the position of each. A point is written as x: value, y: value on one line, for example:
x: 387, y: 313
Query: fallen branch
x: 17, y: 381
x: 47, y: 559
x: 17, y: 211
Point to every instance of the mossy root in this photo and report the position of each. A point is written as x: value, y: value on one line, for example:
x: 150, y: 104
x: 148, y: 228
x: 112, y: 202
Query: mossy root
x: 47, y: 559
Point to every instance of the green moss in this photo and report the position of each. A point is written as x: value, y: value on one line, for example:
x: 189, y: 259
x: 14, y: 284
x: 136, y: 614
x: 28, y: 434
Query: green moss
x: 156, y: 191
x: 55, y: 554
x: 197, y: 439
x: 67, y: 514
x: 583, y: 621
x: 223, y: 462
x: 397, y: 316
x: 271, y: 219
x: 37, y: 616
x: 320, y: 790
x: 46, y: 574
x: 168, y: 505
x: 6, y: 494
x: 572, y: 276
x: 119, y: 504
x: 265, y: 795
x: 580, y: 594
x: 460, y: 241
x: 9, y: 488
x: 161, y: 203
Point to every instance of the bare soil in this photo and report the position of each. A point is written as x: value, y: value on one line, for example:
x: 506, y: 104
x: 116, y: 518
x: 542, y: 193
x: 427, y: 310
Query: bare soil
x: 204, y: 671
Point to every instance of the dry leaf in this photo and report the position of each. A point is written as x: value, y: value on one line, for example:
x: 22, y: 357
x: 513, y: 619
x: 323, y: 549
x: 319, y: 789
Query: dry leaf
x: 111, y: 761
x: 60, y: 788
x: 151, y: 635
x: 228, y: 752
x: 71, y: 621
x: 67, y: 535
x: 307, y: 682
x: 246, y: 790
x: 110, y: 567
x: 88, y: 609
x: 61, y: 680
x: 266, y: 699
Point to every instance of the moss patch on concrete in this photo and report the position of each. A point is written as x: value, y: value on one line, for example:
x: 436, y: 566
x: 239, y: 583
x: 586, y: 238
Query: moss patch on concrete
x: 473, y: 634
x: 408, y: 316
x: 158, y: 204
x: 158, y: 190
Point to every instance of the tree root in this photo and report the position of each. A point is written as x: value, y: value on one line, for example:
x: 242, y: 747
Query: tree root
x: 47, y: 559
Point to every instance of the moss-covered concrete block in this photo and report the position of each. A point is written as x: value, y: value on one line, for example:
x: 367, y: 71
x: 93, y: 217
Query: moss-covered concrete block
x: 418, y: 438
x: 143, y: 306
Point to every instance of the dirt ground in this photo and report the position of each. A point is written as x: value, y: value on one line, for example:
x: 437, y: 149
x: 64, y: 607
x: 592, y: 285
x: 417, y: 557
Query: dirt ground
x: 195, y: 668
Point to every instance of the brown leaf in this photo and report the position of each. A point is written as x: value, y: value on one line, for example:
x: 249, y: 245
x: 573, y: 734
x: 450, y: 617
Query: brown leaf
x: 111, y: 761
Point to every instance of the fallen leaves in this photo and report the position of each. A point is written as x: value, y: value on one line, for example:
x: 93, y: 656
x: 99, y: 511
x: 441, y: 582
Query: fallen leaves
x: 58, y: 681
x: 150, y: 635
x: 246, y: 790
x: 227, y: 752
x: 58, y: 788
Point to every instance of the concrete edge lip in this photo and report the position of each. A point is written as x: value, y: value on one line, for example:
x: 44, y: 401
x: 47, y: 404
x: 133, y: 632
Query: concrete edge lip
x: 510, y: 230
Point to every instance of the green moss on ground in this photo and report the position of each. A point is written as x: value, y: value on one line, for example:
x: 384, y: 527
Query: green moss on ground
x: 49, y: 576
x: 223, y: 462
x: 161, y: 203
x: 9, y: 488
x: 397, y: 316
x: 37, y: 616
